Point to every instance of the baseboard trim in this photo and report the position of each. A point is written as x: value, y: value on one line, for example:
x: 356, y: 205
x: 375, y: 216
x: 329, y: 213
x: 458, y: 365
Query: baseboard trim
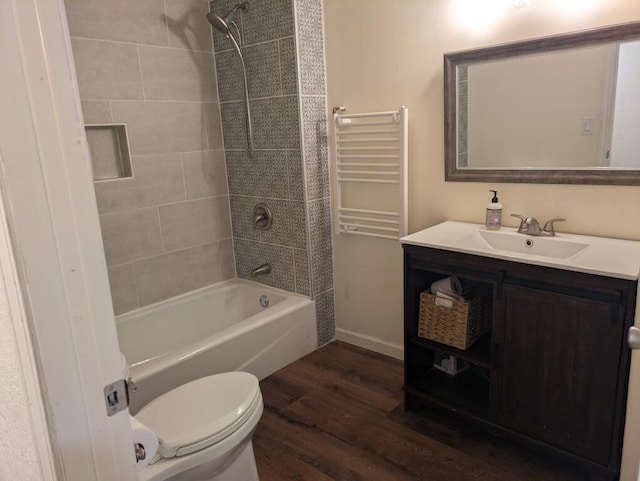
x: 371, y: 343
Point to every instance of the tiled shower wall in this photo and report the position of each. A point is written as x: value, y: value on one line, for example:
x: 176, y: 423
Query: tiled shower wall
x: 149, y: 64
x: 167, y: 230
x: 288, y: 169
x: 316, y: 159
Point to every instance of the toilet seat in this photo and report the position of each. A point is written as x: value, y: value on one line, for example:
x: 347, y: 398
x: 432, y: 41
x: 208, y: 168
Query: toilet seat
x: 201, y: 413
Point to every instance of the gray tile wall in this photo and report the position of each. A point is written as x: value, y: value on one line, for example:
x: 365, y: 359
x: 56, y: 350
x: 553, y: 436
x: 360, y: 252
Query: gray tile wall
x: 284, y: 56
x: 149, y: 64
x: 315, y: 149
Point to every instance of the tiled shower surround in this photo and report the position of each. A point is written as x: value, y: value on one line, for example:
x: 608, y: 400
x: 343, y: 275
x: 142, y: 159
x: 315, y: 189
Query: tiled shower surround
x: 168, y: 230
x: 288, y: 169
x: 149, y: 64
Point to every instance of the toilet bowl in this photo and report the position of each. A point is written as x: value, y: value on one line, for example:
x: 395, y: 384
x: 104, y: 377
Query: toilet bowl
x: 204, y: 429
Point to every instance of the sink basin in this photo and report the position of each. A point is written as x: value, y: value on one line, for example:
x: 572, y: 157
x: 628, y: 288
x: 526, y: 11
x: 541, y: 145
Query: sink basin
x: 556, y: 247
x: 580, y: 253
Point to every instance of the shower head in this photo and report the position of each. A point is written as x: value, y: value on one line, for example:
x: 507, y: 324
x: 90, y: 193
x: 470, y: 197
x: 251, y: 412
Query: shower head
x: 219, y: 23
x: 223, y: 23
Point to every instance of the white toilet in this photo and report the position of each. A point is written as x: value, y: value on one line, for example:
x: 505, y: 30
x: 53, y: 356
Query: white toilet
x: 205, y: 428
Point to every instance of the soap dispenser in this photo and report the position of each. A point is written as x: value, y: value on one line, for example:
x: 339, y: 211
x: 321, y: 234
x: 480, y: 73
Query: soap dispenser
x: 494, y: 213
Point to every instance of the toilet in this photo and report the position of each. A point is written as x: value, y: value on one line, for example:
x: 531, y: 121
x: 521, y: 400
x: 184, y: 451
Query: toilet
x: 205, y: 430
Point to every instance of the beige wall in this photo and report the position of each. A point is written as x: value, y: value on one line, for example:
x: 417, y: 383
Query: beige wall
x: 149, y: 64
x: 382, y: 54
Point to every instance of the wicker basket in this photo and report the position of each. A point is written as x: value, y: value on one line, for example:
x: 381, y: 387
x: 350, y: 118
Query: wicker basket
x: 459, y: 325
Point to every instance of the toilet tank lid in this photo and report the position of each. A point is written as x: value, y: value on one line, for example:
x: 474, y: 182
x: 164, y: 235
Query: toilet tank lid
x: 200, y: 413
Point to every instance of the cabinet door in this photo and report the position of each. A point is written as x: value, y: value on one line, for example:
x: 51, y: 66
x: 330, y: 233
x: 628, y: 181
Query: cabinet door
x: 557, y: 369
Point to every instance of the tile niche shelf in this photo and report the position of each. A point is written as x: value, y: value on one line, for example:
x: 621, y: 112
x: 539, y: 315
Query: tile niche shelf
x: 110, y: 154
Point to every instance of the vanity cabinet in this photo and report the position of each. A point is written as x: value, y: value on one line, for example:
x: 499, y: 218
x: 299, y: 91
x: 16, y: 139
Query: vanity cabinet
x: 556, y: 366
x: 553, y: 370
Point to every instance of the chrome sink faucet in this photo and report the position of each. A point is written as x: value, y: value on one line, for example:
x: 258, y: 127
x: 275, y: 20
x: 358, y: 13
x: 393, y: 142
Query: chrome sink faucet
x: 530, y: 226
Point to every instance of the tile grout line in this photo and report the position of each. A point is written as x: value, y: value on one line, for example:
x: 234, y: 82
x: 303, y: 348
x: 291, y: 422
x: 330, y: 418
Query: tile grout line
x: 144, y: 95
x: 166, y: 23
x: 270, y: 243
x: 160, y: 229
x: 282, y: 96
x: 279, y: 46
x: 184, y: 177
x: 140, y: 44
x: 166, y: 101
x: 135, y: 282
x: 167, y: 253
x: 206, y: 126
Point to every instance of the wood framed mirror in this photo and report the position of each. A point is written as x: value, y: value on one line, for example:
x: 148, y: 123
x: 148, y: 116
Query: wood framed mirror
x: 563, y: 109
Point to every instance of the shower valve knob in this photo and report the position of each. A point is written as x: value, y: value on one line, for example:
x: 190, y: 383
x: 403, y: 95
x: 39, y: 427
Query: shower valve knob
x: 262, y: 218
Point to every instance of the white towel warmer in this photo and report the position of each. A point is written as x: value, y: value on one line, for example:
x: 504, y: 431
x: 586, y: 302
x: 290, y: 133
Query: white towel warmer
x: 370, y: 174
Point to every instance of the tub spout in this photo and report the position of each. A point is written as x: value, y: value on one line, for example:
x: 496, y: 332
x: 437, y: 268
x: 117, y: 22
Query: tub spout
x: 261, y: 270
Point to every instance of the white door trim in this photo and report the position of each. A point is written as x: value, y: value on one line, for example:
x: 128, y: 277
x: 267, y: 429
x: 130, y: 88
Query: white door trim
x: 53, y: 220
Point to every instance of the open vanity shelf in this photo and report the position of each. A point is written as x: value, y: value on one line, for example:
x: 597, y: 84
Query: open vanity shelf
x: 468, y: 390
x: 553, y: 370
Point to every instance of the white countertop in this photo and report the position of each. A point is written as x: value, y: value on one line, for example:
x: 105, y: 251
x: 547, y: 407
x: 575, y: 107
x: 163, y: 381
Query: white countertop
x: 602, y: 256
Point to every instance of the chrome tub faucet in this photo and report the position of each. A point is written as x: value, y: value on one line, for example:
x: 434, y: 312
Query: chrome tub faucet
x: 530, y: 226
x: 263, y: 269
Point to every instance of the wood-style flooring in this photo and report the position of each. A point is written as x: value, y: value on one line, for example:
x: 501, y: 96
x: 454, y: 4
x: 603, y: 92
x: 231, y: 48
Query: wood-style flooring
x: 337, y: 414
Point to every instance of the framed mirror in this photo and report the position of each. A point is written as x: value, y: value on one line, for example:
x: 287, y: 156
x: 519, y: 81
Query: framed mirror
x: 563, y: 109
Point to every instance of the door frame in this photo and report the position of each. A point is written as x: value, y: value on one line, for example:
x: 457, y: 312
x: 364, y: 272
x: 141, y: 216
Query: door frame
x: 57, y: 250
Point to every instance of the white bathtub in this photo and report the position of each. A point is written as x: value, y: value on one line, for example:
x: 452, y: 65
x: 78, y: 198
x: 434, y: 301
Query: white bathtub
x: 215, y: 329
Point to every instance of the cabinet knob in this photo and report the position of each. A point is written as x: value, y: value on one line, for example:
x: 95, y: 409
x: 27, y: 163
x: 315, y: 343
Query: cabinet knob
x: 634, y: 337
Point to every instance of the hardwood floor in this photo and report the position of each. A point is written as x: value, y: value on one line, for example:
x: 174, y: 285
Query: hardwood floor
x: 337, y: 414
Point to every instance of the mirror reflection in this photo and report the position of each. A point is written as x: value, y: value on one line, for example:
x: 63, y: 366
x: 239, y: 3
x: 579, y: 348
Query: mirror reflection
x: 569, y: 109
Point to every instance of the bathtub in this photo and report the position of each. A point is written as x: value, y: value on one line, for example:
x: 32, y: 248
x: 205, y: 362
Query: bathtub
x: 215, y: 329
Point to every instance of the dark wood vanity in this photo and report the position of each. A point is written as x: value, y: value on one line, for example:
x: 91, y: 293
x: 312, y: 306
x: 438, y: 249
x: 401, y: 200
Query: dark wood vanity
x: 553, y: 370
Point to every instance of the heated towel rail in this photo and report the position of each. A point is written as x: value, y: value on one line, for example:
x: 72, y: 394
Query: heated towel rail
x: 370, y: 175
